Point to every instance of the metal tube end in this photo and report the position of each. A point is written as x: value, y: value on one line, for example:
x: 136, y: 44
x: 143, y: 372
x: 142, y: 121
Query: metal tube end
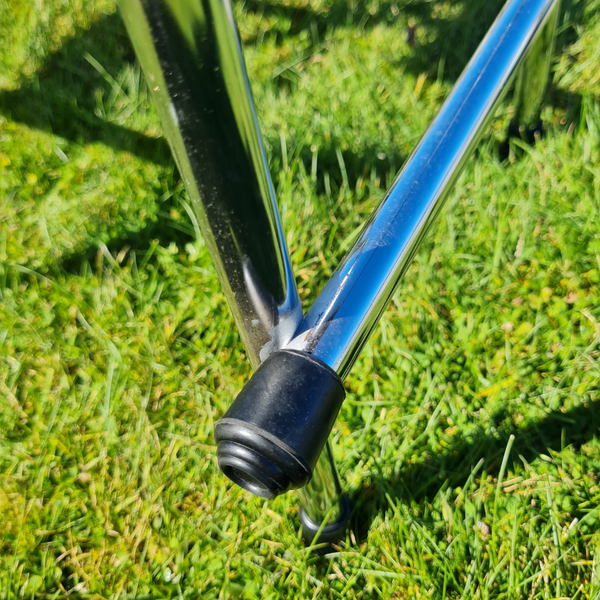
x: 331, y: 533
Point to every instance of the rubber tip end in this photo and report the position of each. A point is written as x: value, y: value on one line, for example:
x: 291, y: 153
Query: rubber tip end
x: 249, y: 470
x: 255, y: 461
x: 269, y: 440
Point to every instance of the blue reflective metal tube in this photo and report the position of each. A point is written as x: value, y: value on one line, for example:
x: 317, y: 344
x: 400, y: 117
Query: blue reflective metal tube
x: 347, y: 310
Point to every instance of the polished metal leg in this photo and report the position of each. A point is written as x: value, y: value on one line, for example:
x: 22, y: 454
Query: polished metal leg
x: 329, y: 335
x: 531, y: 82
x: 287, y: 409
x: 191, y: 56
x: 325, y: 508
x: 339, y: 323
x: 270, y: 439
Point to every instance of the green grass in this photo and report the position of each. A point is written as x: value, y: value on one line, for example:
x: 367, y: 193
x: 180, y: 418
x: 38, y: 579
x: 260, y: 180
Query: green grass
x: 469, y: 439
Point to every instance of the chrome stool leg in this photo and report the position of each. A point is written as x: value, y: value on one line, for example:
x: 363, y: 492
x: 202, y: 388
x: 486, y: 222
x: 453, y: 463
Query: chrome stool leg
x: 192, y: 59
x: 531, y: 83
x: 271, y: 438
x: 348, y: 308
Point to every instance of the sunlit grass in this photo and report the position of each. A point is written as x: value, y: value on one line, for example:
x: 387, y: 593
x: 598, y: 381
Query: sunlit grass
x: 469, y: 438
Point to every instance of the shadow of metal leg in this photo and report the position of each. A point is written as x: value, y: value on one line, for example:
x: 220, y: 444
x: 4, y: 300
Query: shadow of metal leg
x: 192, y: 59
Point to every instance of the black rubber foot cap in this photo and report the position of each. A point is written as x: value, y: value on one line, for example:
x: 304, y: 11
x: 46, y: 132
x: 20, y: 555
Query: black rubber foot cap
x: 332, y: 533
x: 269, y: 440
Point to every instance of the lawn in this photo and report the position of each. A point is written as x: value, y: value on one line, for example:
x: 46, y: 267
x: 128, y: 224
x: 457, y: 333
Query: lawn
x: 469, y: 438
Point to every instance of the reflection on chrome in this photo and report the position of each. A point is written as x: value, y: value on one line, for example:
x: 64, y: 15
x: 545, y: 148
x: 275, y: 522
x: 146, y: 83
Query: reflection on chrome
x: 191, y: 56
x: 345, y: 313
x: 532, y: 78
x: 321, y: 497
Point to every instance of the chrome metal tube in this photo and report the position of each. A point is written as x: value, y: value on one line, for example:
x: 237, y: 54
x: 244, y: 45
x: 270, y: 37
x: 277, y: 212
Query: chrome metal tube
x: 321, y: 497
x: 532, y: 78
x: 325, y: 508
x: 345, y: 313
x: 192, y: 59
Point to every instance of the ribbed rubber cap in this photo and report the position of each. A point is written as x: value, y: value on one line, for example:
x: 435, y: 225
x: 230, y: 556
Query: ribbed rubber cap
x: 269, y: 440
x: 257, y: 461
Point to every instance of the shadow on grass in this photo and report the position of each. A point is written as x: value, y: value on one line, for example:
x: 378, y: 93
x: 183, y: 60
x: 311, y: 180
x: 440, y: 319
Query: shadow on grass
x: 64, y: 97
x: 454, y: 31
x: 423, y: 480
x: 163, y: 230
